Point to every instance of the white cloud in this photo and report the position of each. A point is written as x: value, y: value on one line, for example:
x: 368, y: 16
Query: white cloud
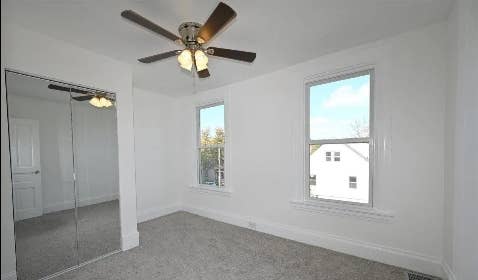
x: 347, y: 96
x: 323, y: 128
x: 315, y: 121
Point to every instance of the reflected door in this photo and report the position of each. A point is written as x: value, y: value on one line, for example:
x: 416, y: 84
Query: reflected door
x: 26, y: 177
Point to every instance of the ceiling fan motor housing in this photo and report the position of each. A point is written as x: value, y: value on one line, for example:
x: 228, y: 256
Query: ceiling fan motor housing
x: 189, y: 33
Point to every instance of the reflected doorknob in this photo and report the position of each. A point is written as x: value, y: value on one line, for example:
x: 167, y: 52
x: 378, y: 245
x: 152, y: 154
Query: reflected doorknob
x: 36, y: 172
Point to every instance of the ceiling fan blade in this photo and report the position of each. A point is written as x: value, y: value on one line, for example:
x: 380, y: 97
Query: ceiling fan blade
x: 67, y: 89
x: 138, y: 19
x: 57, y: 87
x: 232, y: 54
x: 203, y: 73
x: 219, y: 18
x: 82, y: 98
x: 160, y: 56
x: 80, y: 91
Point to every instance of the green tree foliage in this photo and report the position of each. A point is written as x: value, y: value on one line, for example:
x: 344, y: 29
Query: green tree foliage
x: 212, y: 157
x: 314, y: 148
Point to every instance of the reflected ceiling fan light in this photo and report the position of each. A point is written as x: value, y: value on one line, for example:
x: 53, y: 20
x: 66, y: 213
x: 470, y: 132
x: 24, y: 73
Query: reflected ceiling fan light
x: 108, y: 103
x: 201, y: 60
x: 95, y: 101
x: 105, y: 102
x: 185, y: 59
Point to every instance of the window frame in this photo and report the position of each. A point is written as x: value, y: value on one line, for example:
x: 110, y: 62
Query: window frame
x: 336, y: 156
x: 354, y: 183
x: 328, y: 156
x: 199, y: 146
x: 334, y: 77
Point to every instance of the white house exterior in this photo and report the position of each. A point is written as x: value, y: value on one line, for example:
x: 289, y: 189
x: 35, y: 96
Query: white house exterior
x: 341, y: 172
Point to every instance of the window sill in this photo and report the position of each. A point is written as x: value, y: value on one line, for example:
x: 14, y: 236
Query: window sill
x: 211, y: 190
x: 341, y: 209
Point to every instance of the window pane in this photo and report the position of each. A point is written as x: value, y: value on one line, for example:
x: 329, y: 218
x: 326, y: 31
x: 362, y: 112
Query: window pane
x: 211, y: 125
x: 346, y: 179
x: 211, y: 166
x: 340, y: 109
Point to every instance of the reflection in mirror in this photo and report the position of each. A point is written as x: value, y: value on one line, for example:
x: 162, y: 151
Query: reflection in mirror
x: 64, y: 159
x: 96, y: 166
x: 42, y: 168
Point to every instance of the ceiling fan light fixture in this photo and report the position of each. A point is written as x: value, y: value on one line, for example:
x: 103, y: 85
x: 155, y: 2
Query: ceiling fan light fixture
x: 193, y: 36
x: 105, y: 102
x: 201, y: 60
x: 185, y: 59
x: 95, y: 101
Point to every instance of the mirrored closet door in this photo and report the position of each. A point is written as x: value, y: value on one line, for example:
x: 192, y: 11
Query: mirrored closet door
x: 64, y: 163
x: 96, y: 164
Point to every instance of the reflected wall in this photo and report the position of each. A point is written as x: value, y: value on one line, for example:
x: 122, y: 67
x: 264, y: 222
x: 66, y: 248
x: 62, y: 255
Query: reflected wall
x: 65, y: 177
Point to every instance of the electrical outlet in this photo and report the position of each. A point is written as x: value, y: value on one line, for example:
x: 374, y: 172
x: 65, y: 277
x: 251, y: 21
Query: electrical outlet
x: 252, y: 225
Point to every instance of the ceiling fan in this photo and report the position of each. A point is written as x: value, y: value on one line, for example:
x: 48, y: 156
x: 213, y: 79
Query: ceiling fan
x: 97, y: 99
x: 193, y: 37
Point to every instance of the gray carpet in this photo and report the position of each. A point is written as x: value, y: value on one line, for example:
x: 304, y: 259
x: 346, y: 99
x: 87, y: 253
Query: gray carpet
x: 186, y: 246
x: 47, y: 244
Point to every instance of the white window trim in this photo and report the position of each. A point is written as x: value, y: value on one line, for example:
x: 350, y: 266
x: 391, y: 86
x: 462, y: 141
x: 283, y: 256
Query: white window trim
x: 301, y: 202
x: 344, y: 210
x: 226, y: 190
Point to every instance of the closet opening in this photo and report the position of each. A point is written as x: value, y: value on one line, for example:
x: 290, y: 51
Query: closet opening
x: 64, y: 171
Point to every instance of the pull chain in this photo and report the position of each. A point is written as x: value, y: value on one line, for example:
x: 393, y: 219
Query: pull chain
x: 194, y: 82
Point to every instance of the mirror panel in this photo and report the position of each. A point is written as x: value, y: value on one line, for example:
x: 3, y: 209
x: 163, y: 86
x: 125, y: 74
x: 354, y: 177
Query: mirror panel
x: 42, y: 169
x: 96, y: 168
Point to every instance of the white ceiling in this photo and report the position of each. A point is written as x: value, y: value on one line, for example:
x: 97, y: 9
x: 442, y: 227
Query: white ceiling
x: 282, y: 32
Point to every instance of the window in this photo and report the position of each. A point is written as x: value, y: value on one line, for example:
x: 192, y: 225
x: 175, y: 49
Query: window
x: 211, y: 139
x: 337, y: 156
x: 352, y: 182
x: 338, y: 132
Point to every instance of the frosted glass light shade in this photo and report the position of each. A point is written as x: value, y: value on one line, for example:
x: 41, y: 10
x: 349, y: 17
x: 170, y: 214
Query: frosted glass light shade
x: 201, y: 60
x: 101, y: 102
x: 105, y: 102
x: 95, y: 101
x: 185, y: 59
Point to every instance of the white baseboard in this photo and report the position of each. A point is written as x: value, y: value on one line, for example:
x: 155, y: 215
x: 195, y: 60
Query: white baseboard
x: 448, y: 272
x: 9, y: 276
x: 392, y: 256
x: 130, y: 240
x: 153, y: 213
x: 98, y: 199
x: 65, y: 205
x: 376, y: 252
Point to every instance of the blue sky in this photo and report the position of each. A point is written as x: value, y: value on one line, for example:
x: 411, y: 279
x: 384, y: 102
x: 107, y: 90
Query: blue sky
x: 335, y: 106
x: 212, y: 117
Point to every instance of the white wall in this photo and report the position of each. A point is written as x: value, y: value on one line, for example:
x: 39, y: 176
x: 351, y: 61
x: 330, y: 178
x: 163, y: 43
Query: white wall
x: 41, y: 55
x: 8, y: 260
x: 461, y: 207
x: 266, y: 131
x: 95, y: 150
x: 96, y: 153
x: 156, y: 149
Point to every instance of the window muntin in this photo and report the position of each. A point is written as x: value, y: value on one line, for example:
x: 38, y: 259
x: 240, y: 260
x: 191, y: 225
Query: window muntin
x: 339, y: 111
x: 211, y: 142
x: 352, y: 182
